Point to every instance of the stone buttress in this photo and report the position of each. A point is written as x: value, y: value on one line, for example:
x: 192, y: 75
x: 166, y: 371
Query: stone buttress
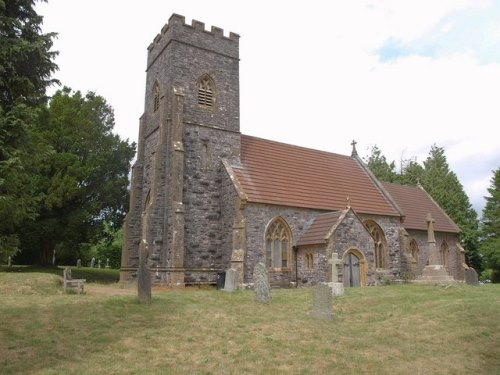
x: 182, y: 201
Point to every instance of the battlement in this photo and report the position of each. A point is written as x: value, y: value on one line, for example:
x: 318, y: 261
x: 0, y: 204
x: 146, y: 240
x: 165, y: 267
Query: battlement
x: 195, y: 34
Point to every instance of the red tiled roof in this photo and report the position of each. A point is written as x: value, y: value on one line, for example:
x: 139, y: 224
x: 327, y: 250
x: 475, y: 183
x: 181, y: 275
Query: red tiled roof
x: 416, y: 204
x: 287, y: 175
x: 319, y: 228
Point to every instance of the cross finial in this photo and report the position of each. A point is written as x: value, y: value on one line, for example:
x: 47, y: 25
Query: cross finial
x: 430, y: 218
x: 348, y: 201
x: 354, y: 152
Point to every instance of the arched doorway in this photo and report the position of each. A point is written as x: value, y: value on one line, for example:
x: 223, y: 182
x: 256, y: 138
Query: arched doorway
x: 352, y: 274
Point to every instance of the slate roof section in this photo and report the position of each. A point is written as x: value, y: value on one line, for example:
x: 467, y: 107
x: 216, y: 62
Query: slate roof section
x: 286, y: 175
x: 416, y: 204
x: 319, y: 228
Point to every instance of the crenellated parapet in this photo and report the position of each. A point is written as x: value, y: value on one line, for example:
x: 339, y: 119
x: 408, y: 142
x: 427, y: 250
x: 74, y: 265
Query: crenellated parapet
x: 176, y: 30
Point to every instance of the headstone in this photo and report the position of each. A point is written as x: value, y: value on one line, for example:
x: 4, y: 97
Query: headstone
x: 54, y: 257
x: 107, y: 263
x: 261, y: 283
x: 99, y: 263
x: 92, y: 263
x: 231, y: 281
x: 79, y: 263
x: 471, y: 277
x: 337, y: 288
x: 9, y: 261
x: 143, y: 275
x: 322, y: 302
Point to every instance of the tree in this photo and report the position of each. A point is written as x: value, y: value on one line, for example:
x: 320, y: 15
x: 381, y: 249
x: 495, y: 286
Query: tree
x: 490, y: 228
x: 83, y: 180
x: 378, y: 165
x: 444, y: 187
x: 25, y: 69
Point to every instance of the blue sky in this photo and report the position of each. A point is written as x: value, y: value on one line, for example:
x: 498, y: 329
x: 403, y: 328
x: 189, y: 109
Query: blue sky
x: 473, y: 31
x: 399, y: 74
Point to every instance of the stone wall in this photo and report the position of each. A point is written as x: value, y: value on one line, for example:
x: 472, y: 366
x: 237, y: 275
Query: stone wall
x: 257, y: 217
x: 455, y: 268
x: 351, y: 234
x: 390, y: 225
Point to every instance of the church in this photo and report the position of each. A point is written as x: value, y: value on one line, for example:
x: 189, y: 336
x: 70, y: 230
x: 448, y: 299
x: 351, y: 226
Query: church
x: 205, y: 198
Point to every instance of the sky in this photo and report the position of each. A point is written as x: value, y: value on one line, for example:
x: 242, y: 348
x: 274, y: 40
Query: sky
x: 401, y: 75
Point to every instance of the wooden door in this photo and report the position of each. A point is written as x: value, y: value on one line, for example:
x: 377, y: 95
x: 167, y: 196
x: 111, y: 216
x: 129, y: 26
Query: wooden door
x: 351, y: 271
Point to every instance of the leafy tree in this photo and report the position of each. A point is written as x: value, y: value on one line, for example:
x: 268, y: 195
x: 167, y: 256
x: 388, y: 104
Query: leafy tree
x: 444, y: 187
x: 378, y: 165
x: 25, y: 69
x: 109, y: 247
x: 490, y: 228
x: 83, y: 180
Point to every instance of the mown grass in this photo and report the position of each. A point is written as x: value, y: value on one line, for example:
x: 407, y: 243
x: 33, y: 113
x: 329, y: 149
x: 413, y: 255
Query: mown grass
x: 96, y: 275
x: 404, y: 329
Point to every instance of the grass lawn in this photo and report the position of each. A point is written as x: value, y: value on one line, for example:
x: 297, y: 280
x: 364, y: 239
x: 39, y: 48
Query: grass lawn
x: 405, y: 329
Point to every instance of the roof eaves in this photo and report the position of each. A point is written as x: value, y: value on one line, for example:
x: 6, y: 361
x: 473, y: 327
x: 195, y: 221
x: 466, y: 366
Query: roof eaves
x: 439, y: 208
x: 236, y: 183
x: 377, y: 183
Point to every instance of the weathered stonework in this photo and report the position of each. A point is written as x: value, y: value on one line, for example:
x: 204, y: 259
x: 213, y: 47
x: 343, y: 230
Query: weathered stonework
x: 188, y: 205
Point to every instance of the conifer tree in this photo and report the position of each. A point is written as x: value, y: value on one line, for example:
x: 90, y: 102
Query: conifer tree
x: 490, y: 228
x: 444, y: 187
x: 26, y: 66
x: 378, y: 165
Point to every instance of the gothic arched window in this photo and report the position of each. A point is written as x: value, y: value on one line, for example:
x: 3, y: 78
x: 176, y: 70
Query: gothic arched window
x: 415, y: 251
x: 380, y: 243
x: 278, y: 245
x: 444, y: 252
x: 156, y: 97
x: 205, y: 91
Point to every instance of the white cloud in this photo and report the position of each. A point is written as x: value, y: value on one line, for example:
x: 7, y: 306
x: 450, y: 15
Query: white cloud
x: 309, y: 72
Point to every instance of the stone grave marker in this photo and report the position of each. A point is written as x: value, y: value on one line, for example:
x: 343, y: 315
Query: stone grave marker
x: 471, y: 277
x: 231, y: 283
x: 261, y: 283
x: 79, y: 263
x: 9, y: 261
x: 99, y: 263
x: 92, y: 263
x: 107, y: 263
x: 322, y: 302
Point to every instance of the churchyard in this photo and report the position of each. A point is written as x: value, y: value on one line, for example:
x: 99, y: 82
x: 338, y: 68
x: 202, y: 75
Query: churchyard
x: 395, y: 329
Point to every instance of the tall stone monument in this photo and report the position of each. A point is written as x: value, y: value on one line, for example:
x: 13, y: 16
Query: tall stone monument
x: 434, y: 272
x: 261, y: 283
x: 337, y: 288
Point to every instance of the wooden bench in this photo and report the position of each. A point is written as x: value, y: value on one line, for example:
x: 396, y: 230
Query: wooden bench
x: 71, y: 284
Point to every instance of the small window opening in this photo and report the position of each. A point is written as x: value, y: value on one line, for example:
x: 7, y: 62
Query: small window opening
x: 206, y: 92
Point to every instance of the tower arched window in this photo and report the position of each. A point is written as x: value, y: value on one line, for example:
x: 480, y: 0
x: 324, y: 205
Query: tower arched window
x: 205, y: 91
x: 278, y: 245
x: 379, y: 242
x: 156, y: 97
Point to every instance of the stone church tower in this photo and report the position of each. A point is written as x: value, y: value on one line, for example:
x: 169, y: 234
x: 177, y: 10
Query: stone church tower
x: 179, y: 212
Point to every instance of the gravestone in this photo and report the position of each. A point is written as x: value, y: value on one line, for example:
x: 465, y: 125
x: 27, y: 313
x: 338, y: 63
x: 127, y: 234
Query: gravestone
x: 92, y: 263
x: 471, y: 277
x: 143, y: 275
x: 9, y: 261
x: 79, y: 263
x: 322, y: 302
x: 231, y: 282
x: 107, y: 263
x: 54, y: 257
x: 99, y: 263
x: 261, y: 283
